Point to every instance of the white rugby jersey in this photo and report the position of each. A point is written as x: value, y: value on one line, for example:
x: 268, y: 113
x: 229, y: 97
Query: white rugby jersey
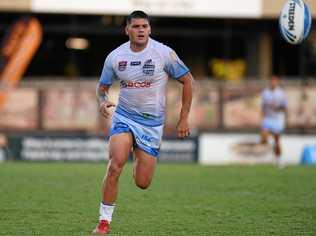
x: 143, y: 77
x: 273, y: 98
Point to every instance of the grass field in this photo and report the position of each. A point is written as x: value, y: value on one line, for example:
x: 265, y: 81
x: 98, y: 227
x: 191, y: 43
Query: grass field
x: 63, y: 199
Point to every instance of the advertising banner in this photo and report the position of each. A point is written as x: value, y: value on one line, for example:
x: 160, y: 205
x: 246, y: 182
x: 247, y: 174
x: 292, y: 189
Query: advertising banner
x: 176, y: 150
x: 90, y: 148
x: 54, y: 148
x: 222, y: 149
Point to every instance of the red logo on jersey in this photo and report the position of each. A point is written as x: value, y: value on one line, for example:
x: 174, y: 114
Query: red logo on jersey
x: 131, y: 84
x: 122, y: 65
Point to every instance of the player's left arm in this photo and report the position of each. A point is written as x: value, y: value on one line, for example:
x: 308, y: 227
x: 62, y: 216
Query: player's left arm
x: 183, y: 129
x: 177, y: 70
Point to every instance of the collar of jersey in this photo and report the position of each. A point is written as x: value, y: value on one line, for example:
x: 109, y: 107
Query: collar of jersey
x: 142, y: 51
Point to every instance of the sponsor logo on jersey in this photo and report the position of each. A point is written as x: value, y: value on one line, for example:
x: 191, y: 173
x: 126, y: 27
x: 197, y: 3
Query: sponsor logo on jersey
x: 149, y: 67
x: 122, y: 65
x: 133, y: 84
x: 135, y: 63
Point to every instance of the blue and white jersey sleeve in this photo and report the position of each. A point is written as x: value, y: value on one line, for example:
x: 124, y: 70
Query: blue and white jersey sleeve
x: 174, y: 67
x: 108, y: 74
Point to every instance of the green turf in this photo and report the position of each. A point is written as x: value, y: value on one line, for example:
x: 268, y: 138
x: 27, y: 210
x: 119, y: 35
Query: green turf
x: 63, y: 199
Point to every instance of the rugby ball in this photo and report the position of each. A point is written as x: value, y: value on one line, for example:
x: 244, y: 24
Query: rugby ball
x: 295, y: 21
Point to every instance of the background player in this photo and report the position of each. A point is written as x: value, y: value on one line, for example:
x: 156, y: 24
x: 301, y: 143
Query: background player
x: 274, y: 106
x: 142, y: 67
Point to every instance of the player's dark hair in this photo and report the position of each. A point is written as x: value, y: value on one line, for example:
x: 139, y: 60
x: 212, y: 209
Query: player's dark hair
x: 136, y: 15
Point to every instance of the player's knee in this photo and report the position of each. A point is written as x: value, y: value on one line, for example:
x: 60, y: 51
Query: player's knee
x: 264, y: 141
x: 115, y: 169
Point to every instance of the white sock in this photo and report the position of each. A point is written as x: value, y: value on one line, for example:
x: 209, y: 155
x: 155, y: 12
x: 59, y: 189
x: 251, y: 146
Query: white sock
x: 280, y: 162
x: 106, y: 212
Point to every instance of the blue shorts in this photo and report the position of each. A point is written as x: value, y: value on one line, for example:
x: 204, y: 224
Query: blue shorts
x: 274, y: 126
x: 145, y: 137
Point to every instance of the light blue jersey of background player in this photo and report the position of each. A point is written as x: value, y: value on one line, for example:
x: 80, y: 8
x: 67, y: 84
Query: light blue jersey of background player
x: 274, y: 106
x: 274, y: 103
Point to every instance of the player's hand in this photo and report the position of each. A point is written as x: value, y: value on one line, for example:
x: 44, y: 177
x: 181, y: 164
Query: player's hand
x: 183, y: 129
x: 104, y: 108
x: 273, y: 106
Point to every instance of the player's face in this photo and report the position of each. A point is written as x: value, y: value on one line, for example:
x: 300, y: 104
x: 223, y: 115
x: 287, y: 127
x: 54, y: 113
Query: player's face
x: 274, y: 82
x: 138, y: 31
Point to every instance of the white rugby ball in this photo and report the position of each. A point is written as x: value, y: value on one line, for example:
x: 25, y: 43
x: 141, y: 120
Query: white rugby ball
x: 295, y: 21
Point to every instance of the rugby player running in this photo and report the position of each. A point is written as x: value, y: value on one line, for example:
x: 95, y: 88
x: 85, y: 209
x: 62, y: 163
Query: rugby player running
x: 142, y: 66
x: 274, y: 106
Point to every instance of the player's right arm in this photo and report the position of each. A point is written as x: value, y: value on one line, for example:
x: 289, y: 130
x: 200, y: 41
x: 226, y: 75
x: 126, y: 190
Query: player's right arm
x: 102, y: 93
x: 102, y: 90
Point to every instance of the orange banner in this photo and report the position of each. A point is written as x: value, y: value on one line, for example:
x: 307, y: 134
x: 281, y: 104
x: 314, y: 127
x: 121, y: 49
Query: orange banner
x: 18, y: 49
